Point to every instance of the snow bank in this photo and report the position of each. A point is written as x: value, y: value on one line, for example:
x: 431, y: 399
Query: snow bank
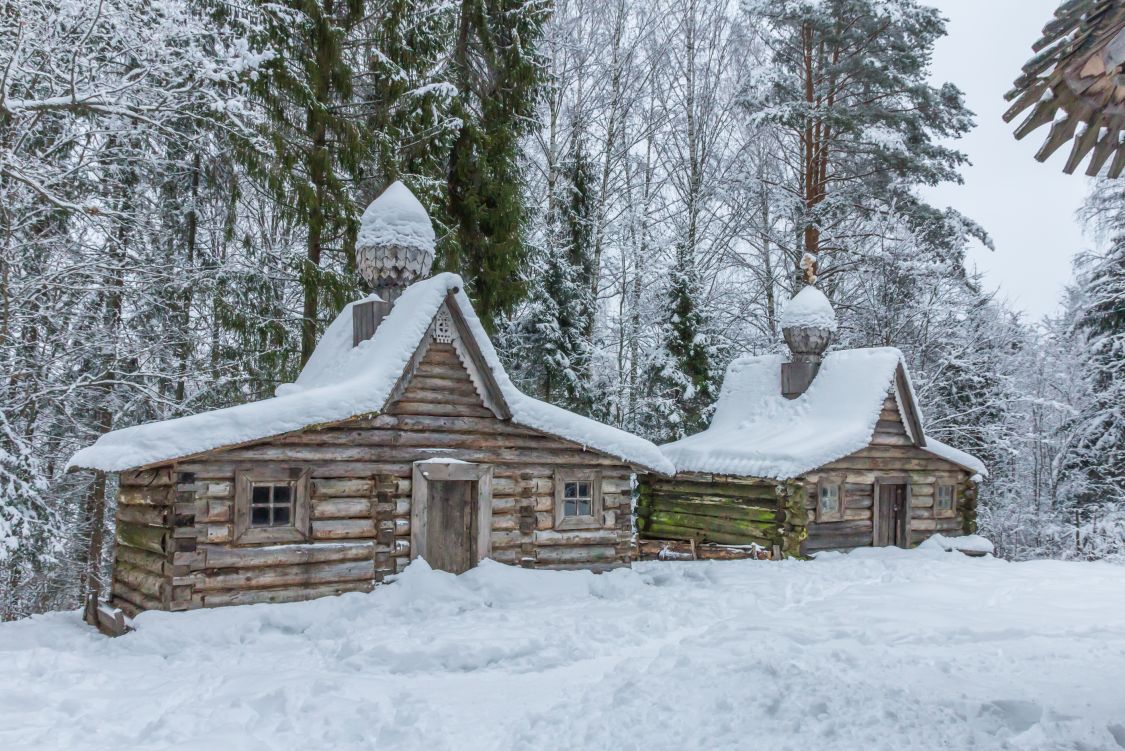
x: 396, y: 218
x: 809, y: 308
x: 888, y: 650
x: 341, y: 381
x: 756, y: 432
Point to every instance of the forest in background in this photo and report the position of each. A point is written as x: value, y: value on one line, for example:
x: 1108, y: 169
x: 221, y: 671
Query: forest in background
x: 631, y: 189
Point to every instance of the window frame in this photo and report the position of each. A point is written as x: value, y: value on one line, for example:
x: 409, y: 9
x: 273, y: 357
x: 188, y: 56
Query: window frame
x: 842, y: 501
x: 953, y: 493
x: 593, y: 520
x: 298, y: 528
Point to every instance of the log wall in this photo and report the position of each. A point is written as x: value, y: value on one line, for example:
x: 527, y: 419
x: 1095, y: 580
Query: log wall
x: 175, y: 524
x: 709, y: 508
x: 893, y: 457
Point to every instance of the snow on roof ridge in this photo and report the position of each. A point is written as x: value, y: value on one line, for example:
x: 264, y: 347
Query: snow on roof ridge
x: 756, y: 432
x: 809, y: 308
x: 396, y: 218
x: 341, y: 381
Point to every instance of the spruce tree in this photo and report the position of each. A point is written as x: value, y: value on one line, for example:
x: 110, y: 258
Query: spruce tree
x: 318, y: 147
x: 1099, y: 454
x: 681, y: 379
x: 498, y: 74
x: 552, y: 346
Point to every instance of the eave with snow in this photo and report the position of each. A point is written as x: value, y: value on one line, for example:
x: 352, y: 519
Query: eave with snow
x: 810, y: 452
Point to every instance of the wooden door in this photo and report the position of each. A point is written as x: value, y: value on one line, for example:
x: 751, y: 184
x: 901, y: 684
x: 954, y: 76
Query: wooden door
x: 892, y: 517
x: 449, y: 525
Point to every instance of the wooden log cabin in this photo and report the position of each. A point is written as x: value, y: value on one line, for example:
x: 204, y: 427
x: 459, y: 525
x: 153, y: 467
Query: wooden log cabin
x: 402, y: 438
x: 812, y: 453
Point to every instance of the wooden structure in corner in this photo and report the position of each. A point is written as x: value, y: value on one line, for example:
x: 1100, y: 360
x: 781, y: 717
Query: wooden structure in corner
x: 442, y: 469
x: 1076, y: 84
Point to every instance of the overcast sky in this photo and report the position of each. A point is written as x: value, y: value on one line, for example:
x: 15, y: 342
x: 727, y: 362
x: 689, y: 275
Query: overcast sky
x: 1028, y: 208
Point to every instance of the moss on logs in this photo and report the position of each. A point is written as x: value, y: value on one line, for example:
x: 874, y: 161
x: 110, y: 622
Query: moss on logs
x: 734, y: 512
x: 707, y: 524
x: 153, y: 539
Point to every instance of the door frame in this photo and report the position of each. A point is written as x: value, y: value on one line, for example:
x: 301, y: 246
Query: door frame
x: 907, y: 531
x: 481, y: 525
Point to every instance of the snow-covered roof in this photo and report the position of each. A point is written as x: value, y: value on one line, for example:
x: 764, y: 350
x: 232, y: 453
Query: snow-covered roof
x: 809, y: 308
x: 756, y: 432
x: 341, y: 381
x: 396, y: 218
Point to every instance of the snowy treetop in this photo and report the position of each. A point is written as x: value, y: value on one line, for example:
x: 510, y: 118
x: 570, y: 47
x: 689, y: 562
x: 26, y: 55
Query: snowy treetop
x: 341, y: 381
x: 809, y: 308
x: 396, y: 218
x: 756, y: 432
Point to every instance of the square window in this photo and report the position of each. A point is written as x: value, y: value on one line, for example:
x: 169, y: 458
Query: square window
x: 577, y: 500
x: 271, y: 505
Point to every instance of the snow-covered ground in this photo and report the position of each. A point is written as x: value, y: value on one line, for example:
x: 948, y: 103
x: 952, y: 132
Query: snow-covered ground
x: 873, y: 650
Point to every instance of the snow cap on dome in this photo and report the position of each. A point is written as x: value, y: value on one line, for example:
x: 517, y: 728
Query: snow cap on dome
x: 395, y: 246
x: 396, y: 217
x: 809, y: 308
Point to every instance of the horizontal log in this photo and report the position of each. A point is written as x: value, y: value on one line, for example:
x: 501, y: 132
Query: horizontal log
x: 858, y: 501
x: 700, y: 507
x: 838, y: 542
x: 443, y: 381
x: 408, y: 455
x: 283, y: 555
x: 130, y: 599
x: 653, y: 550
x: 142, y: 581
x: 259, y: 577
x: 579, y: 554
x: 342, y: 488
x: 438, y: 423
x: 340, y: 529
x: 154, y: 516
x: 387, y: 438
x: 670, y: 532
x: 148, y: 477
x: 836, y: 528
x: 160, y: 495
x: 154, y: 539
x: 713, y: 490
x: 597, y: 568
x: 403, y: 407
x: 341, y: 508
x: 857, y: 514
x: 282, y: 594
x: 757, y: 528
x: 156, y: 564
x: 551, y: 538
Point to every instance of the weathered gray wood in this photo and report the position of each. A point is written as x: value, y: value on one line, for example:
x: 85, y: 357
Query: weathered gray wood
x: 221, y: 556
x: 449, y: 522
x: 341, y: 508
x: 261, y: 577
x: 342, y: 529
x: 282, y: 594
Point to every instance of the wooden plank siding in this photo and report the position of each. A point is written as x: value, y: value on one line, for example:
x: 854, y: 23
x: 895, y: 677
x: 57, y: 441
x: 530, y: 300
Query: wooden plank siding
x: 360, y: 502
x: 892, y: 455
